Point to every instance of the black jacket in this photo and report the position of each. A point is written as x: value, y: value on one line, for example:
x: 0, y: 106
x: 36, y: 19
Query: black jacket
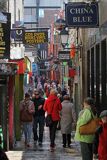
x: 37, y: 102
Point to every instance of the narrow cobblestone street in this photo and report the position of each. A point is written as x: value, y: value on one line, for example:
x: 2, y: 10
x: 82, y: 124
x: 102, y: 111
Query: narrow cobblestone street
x: 43, y: 153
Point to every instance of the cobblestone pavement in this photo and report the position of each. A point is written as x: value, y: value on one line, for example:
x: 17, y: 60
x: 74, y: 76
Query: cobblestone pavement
x: 43, y: 153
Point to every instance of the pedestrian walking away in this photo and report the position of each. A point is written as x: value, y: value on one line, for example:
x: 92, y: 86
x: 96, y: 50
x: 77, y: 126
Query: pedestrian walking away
x: 39, y: 118
x: 68, y: 117
x: 53, y: 106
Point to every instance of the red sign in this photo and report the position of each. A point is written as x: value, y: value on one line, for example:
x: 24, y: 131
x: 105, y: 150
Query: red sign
x: 21, y: 66
x: 72, y: 72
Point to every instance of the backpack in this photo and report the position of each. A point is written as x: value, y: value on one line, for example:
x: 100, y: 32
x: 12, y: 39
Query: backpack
x: 25, y: 116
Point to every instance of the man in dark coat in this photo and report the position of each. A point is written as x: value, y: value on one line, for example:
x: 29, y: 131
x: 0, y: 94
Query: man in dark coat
x: 39, y: 118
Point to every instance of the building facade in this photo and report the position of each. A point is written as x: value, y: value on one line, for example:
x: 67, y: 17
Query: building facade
x: 94, y: 60
x: 15, y: 7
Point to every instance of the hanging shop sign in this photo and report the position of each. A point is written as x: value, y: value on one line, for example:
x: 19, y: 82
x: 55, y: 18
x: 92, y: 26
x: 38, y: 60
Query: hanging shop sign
x: 72, y: 72
x: 31, y: 38
x: 64, y: 55
x: 5, y: 37
x: 17, y: 31
x: 17, y: 34
x: 80, y: 14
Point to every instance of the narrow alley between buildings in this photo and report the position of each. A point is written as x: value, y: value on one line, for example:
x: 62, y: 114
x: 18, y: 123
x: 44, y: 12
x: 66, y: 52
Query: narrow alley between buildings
x: 43, y: 153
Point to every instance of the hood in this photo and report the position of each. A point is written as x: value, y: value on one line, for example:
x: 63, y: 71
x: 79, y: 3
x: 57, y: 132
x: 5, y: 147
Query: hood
x: 52, y: 98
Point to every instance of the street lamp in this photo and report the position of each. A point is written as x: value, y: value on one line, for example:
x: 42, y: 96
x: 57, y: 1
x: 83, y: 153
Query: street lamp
x: 64, y: 34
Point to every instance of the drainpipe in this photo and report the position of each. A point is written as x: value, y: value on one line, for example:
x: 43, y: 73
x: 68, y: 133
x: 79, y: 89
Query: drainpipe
x: 14, y: 11
x: 8, y: 5
x: 37, y: 13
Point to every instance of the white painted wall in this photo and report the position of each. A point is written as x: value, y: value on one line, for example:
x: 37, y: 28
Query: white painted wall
x: 19, y: 8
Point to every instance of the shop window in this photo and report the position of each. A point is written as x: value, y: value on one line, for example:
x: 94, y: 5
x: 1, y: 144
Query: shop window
x: 103, y: 80
x: 92, y: 72
x: 88, y: 73
x: 97, y: 76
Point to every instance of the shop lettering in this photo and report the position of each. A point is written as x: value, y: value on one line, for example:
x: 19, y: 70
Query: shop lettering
x: 81, y: 11
x: 2, y: 42
x: 80, y: 15
x: 35, y: 38
x: 82, y: 19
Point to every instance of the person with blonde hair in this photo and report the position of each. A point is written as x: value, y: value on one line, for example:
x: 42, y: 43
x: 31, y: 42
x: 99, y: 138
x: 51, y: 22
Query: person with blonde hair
x: 53, y: 106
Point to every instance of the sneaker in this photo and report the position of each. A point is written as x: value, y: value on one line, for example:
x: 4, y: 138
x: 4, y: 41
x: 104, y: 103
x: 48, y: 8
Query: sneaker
x: 64, y: 146
x: 28, y: 145
x: 35, y: 143
x: 40, y: 144
x: 52, y: 149
x: 69, y: 146
x: 25, y: 143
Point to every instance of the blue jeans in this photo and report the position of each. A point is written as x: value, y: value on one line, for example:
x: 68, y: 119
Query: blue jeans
x: 38, y: 121
x: 27, y: 128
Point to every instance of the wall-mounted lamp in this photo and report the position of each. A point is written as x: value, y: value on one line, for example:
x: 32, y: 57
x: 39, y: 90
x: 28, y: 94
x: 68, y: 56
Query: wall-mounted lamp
x: 64, y: 35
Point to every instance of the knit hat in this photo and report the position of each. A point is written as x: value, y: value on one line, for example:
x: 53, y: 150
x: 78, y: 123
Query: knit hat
x: 103, y: 114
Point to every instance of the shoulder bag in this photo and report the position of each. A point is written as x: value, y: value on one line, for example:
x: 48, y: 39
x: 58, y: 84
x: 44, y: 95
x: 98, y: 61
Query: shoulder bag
x: 48, y: 118
x: 90, y: 127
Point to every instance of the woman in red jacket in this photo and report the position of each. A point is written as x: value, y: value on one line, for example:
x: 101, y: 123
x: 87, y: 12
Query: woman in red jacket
x: 53, y: 106
x: 100, y: 141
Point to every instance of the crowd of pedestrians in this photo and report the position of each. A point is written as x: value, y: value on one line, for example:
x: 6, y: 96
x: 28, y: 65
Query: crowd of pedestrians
x: 49, y: 98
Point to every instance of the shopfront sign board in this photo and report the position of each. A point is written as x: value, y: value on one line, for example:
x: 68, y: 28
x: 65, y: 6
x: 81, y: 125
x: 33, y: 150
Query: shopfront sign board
x: 64, y: 56
x: 32, y: 38
x: 80, y: 14
x: 5, y: 37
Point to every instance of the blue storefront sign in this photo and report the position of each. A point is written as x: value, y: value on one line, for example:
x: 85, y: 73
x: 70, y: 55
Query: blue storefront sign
x: 82, y: 15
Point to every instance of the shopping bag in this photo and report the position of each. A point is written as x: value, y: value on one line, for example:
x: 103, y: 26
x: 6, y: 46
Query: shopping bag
x: 90, y: 127
x: 48, y: 120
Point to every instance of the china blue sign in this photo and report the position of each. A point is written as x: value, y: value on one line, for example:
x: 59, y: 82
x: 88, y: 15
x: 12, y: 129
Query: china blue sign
x: 82, y: 15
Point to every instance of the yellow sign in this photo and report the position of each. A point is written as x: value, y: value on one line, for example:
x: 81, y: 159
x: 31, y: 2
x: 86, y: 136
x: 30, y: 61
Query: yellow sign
x: 2, y: 42
x: 5, y: 37
x: 35, y: 37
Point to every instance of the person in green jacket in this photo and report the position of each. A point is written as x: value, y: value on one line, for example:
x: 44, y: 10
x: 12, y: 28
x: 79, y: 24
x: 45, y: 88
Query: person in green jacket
x: 86, y: 141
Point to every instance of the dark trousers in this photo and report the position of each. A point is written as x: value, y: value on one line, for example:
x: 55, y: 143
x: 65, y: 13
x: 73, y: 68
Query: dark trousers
x: 52, y: 131
x: 86, y: 151
x: 39, y: 121
x: 66, y: 139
